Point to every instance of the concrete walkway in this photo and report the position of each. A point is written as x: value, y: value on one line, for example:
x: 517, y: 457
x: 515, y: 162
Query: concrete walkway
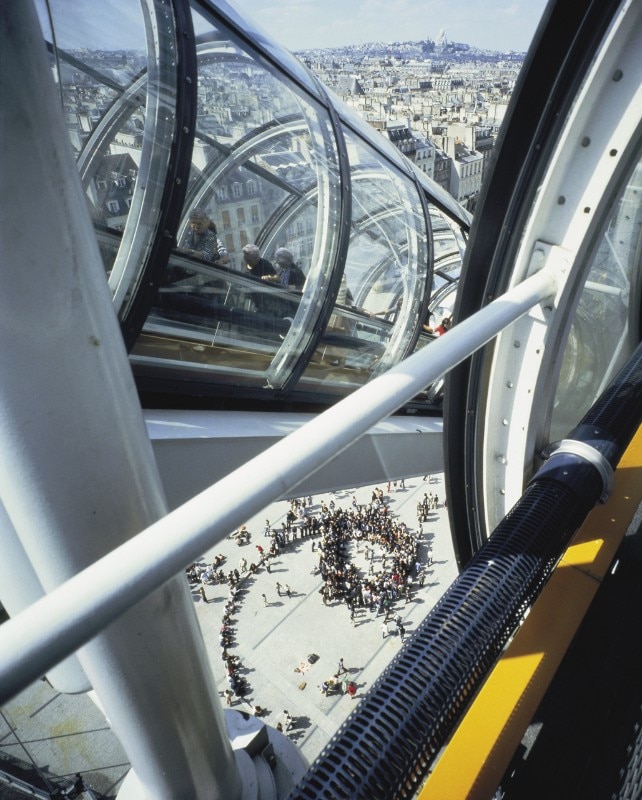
x: 64, y: 734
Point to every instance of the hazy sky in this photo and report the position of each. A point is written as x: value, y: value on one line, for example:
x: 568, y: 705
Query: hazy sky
x: 304, y: 24
x: 489, y: 24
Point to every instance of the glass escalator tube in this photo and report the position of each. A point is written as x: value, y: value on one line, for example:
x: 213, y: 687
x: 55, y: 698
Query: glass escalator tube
x: 563, y: 192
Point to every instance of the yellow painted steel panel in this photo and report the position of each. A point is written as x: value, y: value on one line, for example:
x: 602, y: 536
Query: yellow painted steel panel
x: 477, y: 756
x: 481, y: 748
x: 595, y: 544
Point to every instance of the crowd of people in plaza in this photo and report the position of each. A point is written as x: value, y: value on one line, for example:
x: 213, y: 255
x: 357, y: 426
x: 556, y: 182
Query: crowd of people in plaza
x: 210, y: 574
x: 367, y: 559
x: 384, y: 579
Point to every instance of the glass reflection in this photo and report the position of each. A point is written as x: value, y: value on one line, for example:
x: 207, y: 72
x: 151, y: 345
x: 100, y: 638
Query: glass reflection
x: 216, y: 319
x: 116, y: 69
x: 264, y: 172
x: 385, y: 277
x: 264, y: 176
x: 448, y: 244
x: 605, y: 328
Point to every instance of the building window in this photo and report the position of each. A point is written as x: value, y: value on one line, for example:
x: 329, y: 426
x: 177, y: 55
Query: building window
x: 112, y: 206
x: 251, y: 188
x: 255, y: 214
x: 237, y: 191
x: 227, y: 223
x: 240, y: 216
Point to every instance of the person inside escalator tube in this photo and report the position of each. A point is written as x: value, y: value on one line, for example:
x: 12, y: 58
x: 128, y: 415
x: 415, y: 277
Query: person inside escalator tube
x: 288, y: 274
x: 446, y: 325
x: 255, y: 265
x: 201, y: 240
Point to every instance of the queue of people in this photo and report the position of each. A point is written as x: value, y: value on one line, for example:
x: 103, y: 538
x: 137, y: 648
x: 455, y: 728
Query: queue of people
x: 444, y: 326
x: 255, y: 265
x: 216, y: 294
x: 201, y: 241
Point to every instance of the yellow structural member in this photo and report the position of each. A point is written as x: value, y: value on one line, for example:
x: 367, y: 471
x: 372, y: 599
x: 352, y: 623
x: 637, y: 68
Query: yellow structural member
x: 476, y: 757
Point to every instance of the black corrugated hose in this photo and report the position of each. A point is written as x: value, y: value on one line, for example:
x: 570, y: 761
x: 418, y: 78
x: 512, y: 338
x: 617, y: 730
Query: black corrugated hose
x: 387, y: 745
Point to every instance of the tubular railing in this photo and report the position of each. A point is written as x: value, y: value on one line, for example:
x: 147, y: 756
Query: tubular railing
x: 56, y: 625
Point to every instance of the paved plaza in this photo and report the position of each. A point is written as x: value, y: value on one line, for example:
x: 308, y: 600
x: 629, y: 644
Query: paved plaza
x: 273, y: 643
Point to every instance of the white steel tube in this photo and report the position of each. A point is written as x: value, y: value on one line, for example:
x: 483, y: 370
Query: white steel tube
x: 77, y: 472
x: 19, y: 588
x: 77, y: 610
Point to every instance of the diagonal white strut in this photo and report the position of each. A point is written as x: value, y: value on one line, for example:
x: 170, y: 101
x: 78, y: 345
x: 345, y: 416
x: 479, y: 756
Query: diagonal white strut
x: 78, y: 609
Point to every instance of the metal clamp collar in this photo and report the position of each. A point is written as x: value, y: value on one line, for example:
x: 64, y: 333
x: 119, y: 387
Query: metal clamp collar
x: 586, y: 451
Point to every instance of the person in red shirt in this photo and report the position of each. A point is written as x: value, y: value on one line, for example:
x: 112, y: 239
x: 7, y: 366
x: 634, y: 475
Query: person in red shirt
x: 446, y: 324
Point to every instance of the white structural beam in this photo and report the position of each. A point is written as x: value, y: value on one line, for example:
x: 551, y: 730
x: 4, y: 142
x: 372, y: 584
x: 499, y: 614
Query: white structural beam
x: 19, y: 588
x: 195, y: 449
x: 77, y: 472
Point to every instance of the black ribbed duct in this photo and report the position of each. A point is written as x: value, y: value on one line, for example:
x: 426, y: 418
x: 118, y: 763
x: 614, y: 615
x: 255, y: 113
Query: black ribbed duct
x: 387, y: 745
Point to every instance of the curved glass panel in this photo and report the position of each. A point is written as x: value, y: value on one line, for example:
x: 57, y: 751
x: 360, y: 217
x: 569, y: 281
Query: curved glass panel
x: 118, y: 92
x: 360, y: 128
x: 385, y: 277
x: 605, y: 329
x: 266, y: 170
x: 448, y: 247
x: 264, y: 174
x: 387, y: 150
x: 449, y: 251
x: 444, y: 200
x: 534, y: 383
x: 448, y: 244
